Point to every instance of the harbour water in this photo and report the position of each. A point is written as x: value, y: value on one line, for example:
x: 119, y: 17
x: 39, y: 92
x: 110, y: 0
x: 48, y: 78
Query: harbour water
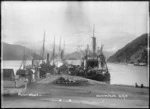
x: 121, y: 74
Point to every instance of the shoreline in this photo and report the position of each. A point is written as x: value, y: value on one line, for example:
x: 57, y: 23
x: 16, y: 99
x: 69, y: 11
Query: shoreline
x: 123, y: 63
x: 129, y: 85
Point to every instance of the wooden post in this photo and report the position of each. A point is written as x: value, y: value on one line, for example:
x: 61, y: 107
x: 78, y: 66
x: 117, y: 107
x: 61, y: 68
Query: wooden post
x: 25, y: 85
x: 26, y: 81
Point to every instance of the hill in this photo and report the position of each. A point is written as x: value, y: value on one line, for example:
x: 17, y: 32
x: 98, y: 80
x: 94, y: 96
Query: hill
x: 135, y: 51
x: 74, y: 56
x: 16, y: 52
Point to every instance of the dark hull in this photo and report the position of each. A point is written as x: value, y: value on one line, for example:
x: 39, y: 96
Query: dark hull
x: 94, y: 75
x: 100, y: 77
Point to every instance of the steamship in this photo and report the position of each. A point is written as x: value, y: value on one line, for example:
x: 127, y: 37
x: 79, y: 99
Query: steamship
x: 93, y: 64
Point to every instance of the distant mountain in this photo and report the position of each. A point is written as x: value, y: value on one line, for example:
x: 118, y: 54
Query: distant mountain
x: 16, y: 52
x: 78, y: 55
x: 135, y: 51
x: 74, y: 56
x: 107, y: 54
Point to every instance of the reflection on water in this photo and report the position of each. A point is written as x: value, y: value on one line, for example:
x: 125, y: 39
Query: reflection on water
x: 120, y: 73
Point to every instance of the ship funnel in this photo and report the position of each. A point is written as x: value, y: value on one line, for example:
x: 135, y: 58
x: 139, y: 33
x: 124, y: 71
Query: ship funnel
x: 94, y: 40
x: 47, y: 58
x: 94, y: 44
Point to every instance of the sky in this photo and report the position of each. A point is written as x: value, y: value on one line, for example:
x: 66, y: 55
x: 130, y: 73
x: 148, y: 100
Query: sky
x: 116, y: 23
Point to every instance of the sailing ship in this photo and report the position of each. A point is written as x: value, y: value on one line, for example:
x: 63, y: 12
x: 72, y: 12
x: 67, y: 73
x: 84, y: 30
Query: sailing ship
x: 45, y: 66
x: 24, y: 72
x: 60, y: 61
x: 53, y: 64
x: 31, y: 72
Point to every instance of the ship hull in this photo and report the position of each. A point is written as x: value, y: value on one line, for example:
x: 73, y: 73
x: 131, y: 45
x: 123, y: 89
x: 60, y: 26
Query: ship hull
x: 99, y: 75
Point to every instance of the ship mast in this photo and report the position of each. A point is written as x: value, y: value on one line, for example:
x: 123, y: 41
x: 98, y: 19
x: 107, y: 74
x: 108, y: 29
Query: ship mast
x: 54, y: 50
x: 24, y: 60
x: 43, y: 48
x: 60, y: 49
x: 33, y: 58
x: 87, y: 51
x: 64, y: 47
x: 62, y: 52
x: 94, y: 41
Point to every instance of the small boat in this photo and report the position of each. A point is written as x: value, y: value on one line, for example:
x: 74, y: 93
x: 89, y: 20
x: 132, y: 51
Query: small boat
x: 140, y: 64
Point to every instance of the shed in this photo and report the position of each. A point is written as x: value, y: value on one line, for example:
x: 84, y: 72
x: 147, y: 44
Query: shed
x: 8, y: 74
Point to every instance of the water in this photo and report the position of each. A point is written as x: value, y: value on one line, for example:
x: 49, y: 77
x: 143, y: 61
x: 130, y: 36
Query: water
x: 120, y: 73
x: 124, y: 74
x: 128, y: 74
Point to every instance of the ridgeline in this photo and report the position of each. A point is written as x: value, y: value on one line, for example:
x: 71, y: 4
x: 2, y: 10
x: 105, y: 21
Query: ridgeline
x: 16, y: 52
x: 134, y: 52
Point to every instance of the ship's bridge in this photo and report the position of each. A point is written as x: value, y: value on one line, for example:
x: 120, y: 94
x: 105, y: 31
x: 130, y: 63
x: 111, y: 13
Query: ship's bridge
x: 92, y: 62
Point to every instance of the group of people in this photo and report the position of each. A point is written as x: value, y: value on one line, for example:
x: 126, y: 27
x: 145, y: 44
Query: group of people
x: 136, y: 85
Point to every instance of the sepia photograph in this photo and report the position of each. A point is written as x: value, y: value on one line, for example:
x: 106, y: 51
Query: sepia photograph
x: 75, y: 54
